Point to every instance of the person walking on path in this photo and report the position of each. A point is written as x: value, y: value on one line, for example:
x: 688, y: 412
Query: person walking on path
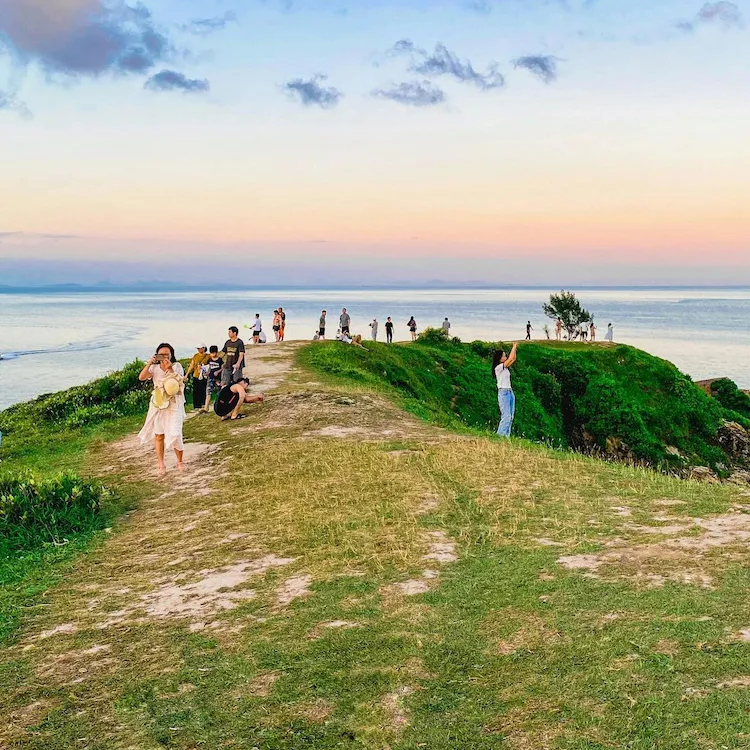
x: 374, y: 326
x: 231, y: 399
x: 501, y: 364
x: 529, y: 329
x: 322, y: 326
x: 166, y: 412
x: 412, y: 328
x: 610, y: 334
x: 389, y: 331
x: 282, y: 330
x: 446, y: 327
x: 345, y: 322
x: 195, y: 370
x: 213, y: 370
x: 257, y: 329
x: 234, y: 358
x: 558, y: 329
x: 277, y: 325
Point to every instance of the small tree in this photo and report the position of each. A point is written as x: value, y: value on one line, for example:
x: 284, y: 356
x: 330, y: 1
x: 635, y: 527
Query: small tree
x: 567, y: 308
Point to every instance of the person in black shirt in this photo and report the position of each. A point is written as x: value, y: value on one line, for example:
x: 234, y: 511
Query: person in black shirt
x: 389, y: 331
x: 213, y: 369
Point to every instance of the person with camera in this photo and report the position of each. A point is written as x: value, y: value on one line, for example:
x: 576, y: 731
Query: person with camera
x: 166, y: 412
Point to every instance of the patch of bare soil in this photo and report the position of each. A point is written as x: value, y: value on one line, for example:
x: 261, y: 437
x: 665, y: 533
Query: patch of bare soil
x: 683, y: 557
x: 293, y: 588
x: 393, y: 704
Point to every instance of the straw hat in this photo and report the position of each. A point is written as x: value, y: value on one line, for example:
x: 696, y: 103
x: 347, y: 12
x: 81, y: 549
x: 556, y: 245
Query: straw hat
x: 171, y: 386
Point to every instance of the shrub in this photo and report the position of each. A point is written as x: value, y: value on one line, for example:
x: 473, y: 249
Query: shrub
x: 726, y: 392
x: 34, y: 512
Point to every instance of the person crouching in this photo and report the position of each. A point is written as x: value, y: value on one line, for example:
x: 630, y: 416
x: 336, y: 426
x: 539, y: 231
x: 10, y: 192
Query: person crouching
x: 231, y: 399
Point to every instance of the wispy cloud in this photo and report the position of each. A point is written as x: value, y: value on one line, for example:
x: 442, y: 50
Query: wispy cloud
x: 444, y: 62
x: 82, y: 37
x: 10, y: 103
x: 206, y: 26
x: 722, y: 13
x: 477, y: 6
x: 544, y: 67
x: 311, y: 93
x: 171, y: 80
x: 413, y: 93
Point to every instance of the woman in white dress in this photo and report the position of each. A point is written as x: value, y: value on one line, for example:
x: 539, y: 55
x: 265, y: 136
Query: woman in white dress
x: 166, y: 412
x: 610, y: 334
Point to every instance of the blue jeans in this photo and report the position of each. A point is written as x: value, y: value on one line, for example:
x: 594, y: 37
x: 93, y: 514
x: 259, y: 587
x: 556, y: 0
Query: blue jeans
x: 507, y: 400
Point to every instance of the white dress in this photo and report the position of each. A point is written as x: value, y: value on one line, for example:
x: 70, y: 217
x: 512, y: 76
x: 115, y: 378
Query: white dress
x: 167, y: 422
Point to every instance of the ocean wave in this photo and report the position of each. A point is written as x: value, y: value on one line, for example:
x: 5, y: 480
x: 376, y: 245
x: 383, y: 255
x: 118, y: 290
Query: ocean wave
x: 105, y: 341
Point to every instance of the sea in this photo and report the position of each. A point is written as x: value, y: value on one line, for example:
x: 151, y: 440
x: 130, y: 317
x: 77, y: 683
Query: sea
x: 51, y: 341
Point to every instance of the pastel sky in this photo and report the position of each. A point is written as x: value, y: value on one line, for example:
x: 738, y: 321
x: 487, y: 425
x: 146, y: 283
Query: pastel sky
x: 517, y: 141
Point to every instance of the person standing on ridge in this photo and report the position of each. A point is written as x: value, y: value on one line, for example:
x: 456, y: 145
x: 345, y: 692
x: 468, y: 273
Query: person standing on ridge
x: 446, y: 327
x: 257, y: 329
x: 501, y: 364
x: 345, y: 322
x: 234, y: 358
x: 195, y: 370
x: 374, y: 326
x: 592, y: 332
x: 412, y: 328
x: 558, y: 329
x: 529, y: 329
x: 389, y: 331
x: 610, y: 334
x: 282, y: 330
x: 277, y: 325
x: 322, y: 326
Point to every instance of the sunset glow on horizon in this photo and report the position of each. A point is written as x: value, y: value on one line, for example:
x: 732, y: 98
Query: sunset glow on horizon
x: 598, y: 132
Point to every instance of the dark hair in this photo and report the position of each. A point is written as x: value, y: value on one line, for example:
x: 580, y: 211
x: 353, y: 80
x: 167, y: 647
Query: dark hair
x: 234, y: 329
x: 257, y: 315
x: 245, y: 380
x: 324, y: 311
x: 497, y: 358
x: 214, y: 349
x: 173, y: 359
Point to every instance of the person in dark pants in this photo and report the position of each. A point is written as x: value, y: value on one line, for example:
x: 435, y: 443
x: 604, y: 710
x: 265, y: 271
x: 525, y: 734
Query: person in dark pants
x: 389, y: 331
x: 199, y: 360
x: 344, y: 322
x: 529, y: 329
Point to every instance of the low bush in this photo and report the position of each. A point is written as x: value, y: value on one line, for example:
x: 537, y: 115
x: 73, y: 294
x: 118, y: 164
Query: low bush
x: 35, y: 512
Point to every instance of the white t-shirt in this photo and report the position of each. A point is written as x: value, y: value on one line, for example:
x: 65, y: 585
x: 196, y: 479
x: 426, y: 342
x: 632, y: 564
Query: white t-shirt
x: 502, y: 373
x: 257, y: 326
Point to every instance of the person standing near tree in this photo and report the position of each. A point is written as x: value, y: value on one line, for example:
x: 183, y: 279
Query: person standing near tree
x: 389, y: 331
x: 558, y: 329
x: 344, y: 322
x: 412, y: 328
x: 501, y: 364
x: 592, y: 332
x: 529, y: 329
x: 195, y: 370
x: 446, y: 327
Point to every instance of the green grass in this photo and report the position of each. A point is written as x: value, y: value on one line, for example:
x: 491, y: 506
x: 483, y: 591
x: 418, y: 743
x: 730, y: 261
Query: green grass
x: 506, y: 650
x: 615, y: 401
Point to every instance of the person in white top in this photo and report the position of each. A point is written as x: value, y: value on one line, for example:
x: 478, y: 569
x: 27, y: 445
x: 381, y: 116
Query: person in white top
x: 610, y: 334
x: 257, y: 329
x: 501, y: 364
x: 166, y: 412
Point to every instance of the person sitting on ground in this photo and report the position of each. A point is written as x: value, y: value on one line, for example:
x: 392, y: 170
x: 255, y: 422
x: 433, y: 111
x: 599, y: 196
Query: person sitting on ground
x: 232, y: 397
x: 357, y: 341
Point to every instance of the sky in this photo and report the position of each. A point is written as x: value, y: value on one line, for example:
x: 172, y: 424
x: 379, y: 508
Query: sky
x: 375, y: 141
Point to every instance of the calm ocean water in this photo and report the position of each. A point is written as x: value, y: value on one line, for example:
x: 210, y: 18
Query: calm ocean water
x: 51, y: 342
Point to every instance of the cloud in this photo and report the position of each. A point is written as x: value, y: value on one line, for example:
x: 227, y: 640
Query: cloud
x: 544, y: 67
x: 171, y: 80
x: 311, y: 92
x: 206, y: 26
x: 9, y: 103
x: 82, y: 37
x: 723, y: 13
x: 413, y: 93
x: 478, y: 6
x: 443, y: 62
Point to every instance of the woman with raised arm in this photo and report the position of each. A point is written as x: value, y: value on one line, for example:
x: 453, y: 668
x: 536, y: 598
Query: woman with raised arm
x: 166, y: 412
x: 501, y: 364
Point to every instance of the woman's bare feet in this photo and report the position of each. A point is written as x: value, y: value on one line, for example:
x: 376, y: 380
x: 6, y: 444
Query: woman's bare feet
x: 161, y: 471
x: 180, y: 466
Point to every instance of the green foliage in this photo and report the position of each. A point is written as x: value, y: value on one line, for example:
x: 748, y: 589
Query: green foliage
x: 566, y: 307
x: 35, y: 512
x: 617, y: 401
x: 726, y: 392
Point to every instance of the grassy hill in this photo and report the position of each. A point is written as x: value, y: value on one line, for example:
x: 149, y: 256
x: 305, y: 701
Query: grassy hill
x: 615, y: 401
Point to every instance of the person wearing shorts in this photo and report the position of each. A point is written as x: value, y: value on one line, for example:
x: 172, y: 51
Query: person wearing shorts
x: 282, y: 330
x: 344, y: 322
x: 231, y: 399
x: 322, y: 326
x: 212, y: 370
